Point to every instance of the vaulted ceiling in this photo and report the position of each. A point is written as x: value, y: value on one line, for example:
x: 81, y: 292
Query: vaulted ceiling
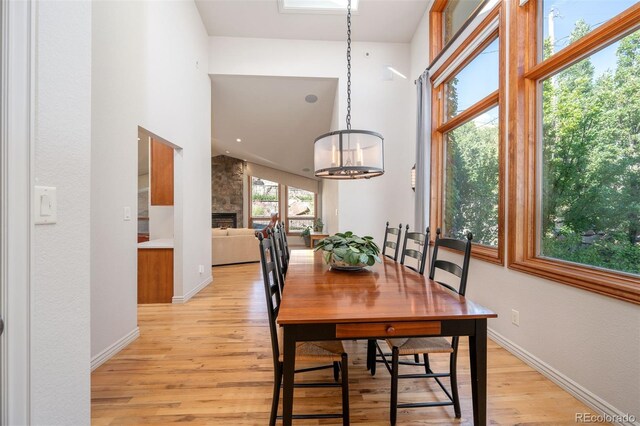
x: 276, y: 125
x: 376, y: 20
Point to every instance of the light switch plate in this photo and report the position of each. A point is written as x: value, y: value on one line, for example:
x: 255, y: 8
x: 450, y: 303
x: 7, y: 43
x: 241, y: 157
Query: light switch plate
x: 45, y: 205
x: 126, y: 213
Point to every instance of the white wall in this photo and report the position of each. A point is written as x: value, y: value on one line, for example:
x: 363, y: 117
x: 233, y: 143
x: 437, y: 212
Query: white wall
x: 60, y: 335
x: 149, y: 70
x: 364, y: 206
x: 329, y: 188
x: 591, y: 339
x: 383, y: 106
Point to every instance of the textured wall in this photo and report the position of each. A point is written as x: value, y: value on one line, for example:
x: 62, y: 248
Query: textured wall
x: 60, y: 318
x: 226, y: 186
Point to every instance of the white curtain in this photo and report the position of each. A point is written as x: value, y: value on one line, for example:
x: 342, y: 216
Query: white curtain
x: 423, y: 152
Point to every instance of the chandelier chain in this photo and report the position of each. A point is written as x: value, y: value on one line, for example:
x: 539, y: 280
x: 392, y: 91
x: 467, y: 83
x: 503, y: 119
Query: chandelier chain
x: 349, y: 65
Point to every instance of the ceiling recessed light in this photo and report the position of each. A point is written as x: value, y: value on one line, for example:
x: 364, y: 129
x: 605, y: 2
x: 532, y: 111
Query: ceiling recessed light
x: 227, y: 152
x: 238, y: 140
x: 311, y: 99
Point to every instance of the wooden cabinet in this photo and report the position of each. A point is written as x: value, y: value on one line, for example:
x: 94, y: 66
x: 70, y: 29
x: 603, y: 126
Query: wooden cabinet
x: 161, y: 174
x: 155, y: 275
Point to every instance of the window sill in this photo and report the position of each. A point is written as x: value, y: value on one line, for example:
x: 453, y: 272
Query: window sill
x: 619, y: 286
x: 484, y: 253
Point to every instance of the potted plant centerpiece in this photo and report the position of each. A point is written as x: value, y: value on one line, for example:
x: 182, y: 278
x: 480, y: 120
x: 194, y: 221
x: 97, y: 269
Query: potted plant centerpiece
x: 348, y: 251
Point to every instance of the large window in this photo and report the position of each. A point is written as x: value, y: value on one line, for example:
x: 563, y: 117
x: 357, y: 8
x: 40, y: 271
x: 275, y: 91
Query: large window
x: 301, y: 209
x: 575, y: 121
x: 566, y: 21
x: 471, y: 179
x: 467, y: 142
x: 474, y: 82
x: 454, y: 16
x: 590, y: 206
x: 265, y: 201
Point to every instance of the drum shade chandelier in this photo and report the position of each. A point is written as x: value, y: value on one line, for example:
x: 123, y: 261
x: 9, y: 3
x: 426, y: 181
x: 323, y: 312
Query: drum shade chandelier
x: 349, y: 154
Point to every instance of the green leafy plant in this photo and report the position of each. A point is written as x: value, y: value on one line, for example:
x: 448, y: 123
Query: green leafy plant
x: 306, y: 231
x: 349, y: 248
x: 318, y: 224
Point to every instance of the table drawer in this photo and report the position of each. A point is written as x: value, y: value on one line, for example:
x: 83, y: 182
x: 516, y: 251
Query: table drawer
x: 387, y: 329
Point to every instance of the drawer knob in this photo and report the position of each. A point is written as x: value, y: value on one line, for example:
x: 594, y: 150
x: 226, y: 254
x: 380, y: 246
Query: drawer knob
x: 391, y: 330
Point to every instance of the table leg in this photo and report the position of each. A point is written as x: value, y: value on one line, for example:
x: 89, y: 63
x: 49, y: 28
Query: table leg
x: 478, y: 364
x: 289, y: 367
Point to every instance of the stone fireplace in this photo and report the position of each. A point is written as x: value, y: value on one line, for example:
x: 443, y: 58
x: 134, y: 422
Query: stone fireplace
x: 227, y: 176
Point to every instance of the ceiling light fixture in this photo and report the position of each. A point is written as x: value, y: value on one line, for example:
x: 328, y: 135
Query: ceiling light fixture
x: 238, y: 140
x: 349, y: 154
x: 227, y: 152
x: 312, y: 99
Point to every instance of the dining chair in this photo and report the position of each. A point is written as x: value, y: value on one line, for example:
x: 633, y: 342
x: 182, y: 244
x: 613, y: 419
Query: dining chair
x: 275, y: 236
x: 393, y: 245
x: 428, y: 345
x: 331, y: 352
x: 418, y: 251
x: 285, y: 241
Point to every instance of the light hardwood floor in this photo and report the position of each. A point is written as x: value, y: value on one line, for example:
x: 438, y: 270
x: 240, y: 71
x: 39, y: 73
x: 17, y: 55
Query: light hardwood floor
x: 209, y: 362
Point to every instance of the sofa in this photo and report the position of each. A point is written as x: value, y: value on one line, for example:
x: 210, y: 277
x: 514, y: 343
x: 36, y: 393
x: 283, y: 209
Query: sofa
x: 234, y: 245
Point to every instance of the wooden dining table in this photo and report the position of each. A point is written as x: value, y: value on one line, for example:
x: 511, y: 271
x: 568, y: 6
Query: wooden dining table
x: 381, y: 301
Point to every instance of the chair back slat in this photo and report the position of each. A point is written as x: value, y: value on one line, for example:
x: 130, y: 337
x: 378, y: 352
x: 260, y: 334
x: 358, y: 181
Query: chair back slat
x: 421, y: 242
x: 393, y: 245
x: 416, y: 236
x: 393, y: 231
x: 449, y: 267
x: 413, y: 253
x: 272, y: 290
x: 453, y: 244
x: 461, y: 272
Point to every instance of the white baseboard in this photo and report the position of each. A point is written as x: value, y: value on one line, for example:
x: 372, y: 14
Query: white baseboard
x: 589, y: 398
x: 193, y: 292
x: 119, y: 345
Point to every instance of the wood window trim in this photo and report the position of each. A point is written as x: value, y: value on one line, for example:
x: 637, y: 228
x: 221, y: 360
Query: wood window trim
x: 437, y: 46
x: 435, y: 25
x: 524, y: 73
x: 494, y: 255
x: 250, y: 213
x: 618, y: 27
x: 286, y: 211
x: 495, y: 12
x: 476, y: 109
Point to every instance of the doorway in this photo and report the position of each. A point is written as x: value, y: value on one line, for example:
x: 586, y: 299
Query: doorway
x: 156, y: 219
